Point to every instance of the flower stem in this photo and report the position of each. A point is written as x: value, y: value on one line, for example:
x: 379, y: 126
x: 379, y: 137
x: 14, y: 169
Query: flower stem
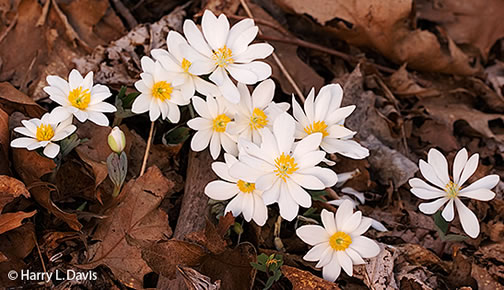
x: 147, y: 149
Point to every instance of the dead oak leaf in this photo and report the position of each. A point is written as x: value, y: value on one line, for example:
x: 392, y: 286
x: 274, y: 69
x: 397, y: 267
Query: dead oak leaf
x: 304, y: 280
x: 378, y: 272
x: 136, y: 223
x: 12, y: 220
x: 10, y: 188
x: 4, y: 143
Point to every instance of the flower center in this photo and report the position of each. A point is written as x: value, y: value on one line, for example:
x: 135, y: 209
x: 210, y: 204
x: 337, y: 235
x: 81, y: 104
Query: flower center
x: 319, y: 126
x: 452, y: 189
x: 220, y: 123
x: 79, y: 98
x: 340, y: 241
x: 285, y: 165
x: 258, y: 119
x: 223, y: 56
x: 185, y: 65
x: 162, y: 90
x: 245, y: 187
x: 44, y: 132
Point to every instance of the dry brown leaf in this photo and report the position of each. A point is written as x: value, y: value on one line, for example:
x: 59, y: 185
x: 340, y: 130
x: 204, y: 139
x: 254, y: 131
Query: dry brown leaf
x: 304, y: 280
x: 194, y: 280
x: 485, y: 280
x: 164, y: 257
x: 137, y: 222
x: 41, y: 192
x: 16, y: 245
x: 303, y: 74
x: 4, y: 143
x: 478, y: 23
x: 402, y: 85
x: 492, y: 255
x: 212, y: 237
x: 13, y: 100
x: 30, y: 165
x: 10, y: 188
x: 378, y: 272
x: 387, y: 27
x: 12, y: 220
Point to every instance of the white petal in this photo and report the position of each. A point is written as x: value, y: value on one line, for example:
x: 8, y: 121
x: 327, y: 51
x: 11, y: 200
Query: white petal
x: 215, y: 30
x: 469, y: 168
x: 468, y: 219
x: 345, y: 262
x: 199, y: 123
x: 102, y: 107
x: 430, y: 174
x: 315, y: 253
x: 63, y: 133
x: 363, y: 227
x: 75, y: 79
x: 205, y: 88
x: 339, y: 114
x: 202, y: 67
x: 141, y: 104
x: 343, y: 213
x: 51, y: 150
x: 235, y: 205
x: 348, y: 148
x: 487, y: 182
x: 307, y: 145
x: 432, y: 207
x: 59, y: 83
x: 237, y: 30
x: 98, y: 118
x: 240, y: 43
x: 221, y: 190
x: 448, y: 212
x: 260, y: 211
x: 195, y: 38
x: 215, y: 146
x: 458, y: 164
x: 154, y: 110
x: 288, y: 207
x: 427, y: 193
x: 331, y: 271
x: 307, y: 181
x: 309, y: 160
x: 352, y: 223
x: 272, y: 195
x: 439, y: 164
x: 366, y: 247
x: 59, y: 114
x: 25, y: 131
x: 173, y: 112
x: 326, y: 175
x: 247, y: 206
x: 356, y: 258
x: 482, y: 194
x: 328, y: 221
x: 242, y: 73
x: 312, y: 234
x: 299, y: 195
x: 283, y: 129
x: 23, y: 142
x: 200, y: 140
x: 253, y: 52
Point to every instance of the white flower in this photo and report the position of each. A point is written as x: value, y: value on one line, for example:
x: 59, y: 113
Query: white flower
x: 220, y: 50
x: 211, y: 127
x: 159, y: 92
x: 246, y: 198
x: 339, y: 243
x: 79, y: 97
x: 447, y: 190
x: 323, y: 114
x: 282, y: 169
x: 255, y: 112
x: 174, y: 61
x: 117, y: 140
x: 42, y: 133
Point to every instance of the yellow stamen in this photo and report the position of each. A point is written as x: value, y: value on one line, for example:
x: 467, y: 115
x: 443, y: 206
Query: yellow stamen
x: 285, y: 165
x: 340, y: 241
x: 185, y: 65
x: 220, y: 123
x: 258, y: 119
x: 272, y: 261
x: 223, y: 56
x: 452, y: 189
x: 44, y: 132
x: 319, y: 126
x: 245, y: 187
x: 79, y: 98
x: 162, y: 90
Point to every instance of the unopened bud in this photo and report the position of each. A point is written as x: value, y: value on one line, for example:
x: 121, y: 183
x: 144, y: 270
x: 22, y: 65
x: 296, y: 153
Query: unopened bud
x: 117, y: 140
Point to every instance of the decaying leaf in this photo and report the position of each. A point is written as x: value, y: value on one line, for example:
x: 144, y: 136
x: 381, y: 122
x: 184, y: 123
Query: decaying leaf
x: 4, y: 143
x: 194, y: 280
x: 388, y: 27
x: 402, y: 85
x: 41, y: 192
x: 12, y: 220
x: 485, y: 280
x: 13, y: 100
x: 304, y: 280
x: 16, y: 245
x: 137, y: 222
x: 10, y: 188
x: 378, y: 272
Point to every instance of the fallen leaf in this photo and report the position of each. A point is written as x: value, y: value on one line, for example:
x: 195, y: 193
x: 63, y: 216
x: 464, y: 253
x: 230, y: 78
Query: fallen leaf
x: 10, y: 188
x: 4, y: 143
x: 13, y: 100
x: 16, y: 245
x: 477, y: 23
x: 304, y: 280
x: 403, y: 85
x: 164, y: 257
x: 484, y: 279
x: 12, y: 220
x: 30, y: 165
x: 492, y: 255
x: 136, y: 223
x: 303, y: 74
x: 194, y: 280
x: 386, y: 27
x: 378, y: 272
x: 41, y: 192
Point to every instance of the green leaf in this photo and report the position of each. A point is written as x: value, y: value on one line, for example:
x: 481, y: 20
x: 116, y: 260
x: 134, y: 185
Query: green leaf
x: 176, y: 136
x: 269, y: 283
x: 128, y: 100
x: 441, y: 224
x: 317, y: 194
x: 454, y: 238
x: 262, y: 258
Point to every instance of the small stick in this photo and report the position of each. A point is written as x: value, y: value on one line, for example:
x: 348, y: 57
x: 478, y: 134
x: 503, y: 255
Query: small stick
x: 147, y: 149
x: 277, y: 59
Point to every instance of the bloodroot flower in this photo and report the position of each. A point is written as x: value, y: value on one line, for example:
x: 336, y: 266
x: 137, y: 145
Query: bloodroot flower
x: 324, y: 114
x: 449, y: 191
x: 246, y: 198
x: 221, y: 50
x: 339, y: 243
x: 79, y: 97
x: 43, y: 133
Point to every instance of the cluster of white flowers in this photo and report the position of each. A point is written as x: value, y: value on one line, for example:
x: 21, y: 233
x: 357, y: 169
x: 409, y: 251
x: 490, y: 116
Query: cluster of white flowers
x: 270, y: 156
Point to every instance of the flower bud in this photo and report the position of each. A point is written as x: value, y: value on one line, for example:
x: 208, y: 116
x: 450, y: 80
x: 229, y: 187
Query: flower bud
x: 117, y: 140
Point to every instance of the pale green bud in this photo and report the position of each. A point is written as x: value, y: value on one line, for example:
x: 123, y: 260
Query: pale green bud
x: 117, y: 140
